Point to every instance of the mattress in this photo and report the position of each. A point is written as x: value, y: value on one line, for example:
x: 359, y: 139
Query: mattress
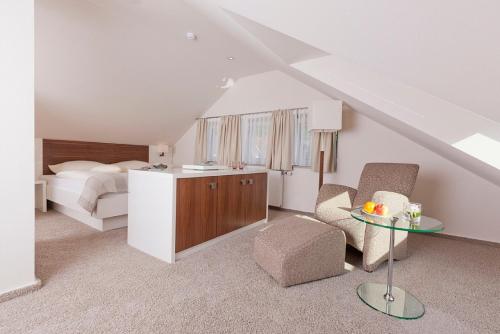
x: 66, y: 191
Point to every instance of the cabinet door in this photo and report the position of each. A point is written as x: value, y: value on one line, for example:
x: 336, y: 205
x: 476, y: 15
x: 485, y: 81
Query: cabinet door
x: 230, y: 203
x: 256, y: 207
x: 196, y: 216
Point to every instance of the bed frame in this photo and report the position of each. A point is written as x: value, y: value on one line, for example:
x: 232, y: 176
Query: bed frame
x: 58, y: 151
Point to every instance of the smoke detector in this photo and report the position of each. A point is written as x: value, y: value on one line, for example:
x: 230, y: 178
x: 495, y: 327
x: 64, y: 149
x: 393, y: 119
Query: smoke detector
x: 191, y: 36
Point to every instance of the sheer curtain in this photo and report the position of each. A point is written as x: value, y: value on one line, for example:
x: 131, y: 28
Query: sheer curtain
x: 212, y: 139
x: 302, y: 139
x: 255, y: 130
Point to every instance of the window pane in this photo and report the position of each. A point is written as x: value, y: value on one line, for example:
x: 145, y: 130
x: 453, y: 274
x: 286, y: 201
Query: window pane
x: 255, y: 130
x: 212, y: 138
x: 301, y: 140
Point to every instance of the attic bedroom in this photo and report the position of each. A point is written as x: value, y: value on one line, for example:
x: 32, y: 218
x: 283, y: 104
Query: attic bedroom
x: 190, y: 166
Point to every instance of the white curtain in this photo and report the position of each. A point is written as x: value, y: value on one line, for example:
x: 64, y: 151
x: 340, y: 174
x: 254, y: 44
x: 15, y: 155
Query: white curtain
x: 279, y: 149
x: 255, y: 130
x: 200, y: 148
x: 229, y: 149
x: 328, y: 142
x: 302, y: 139
x: 212, y: 139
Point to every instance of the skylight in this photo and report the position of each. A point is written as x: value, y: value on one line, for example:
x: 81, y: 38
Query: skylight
x: 481, y: 147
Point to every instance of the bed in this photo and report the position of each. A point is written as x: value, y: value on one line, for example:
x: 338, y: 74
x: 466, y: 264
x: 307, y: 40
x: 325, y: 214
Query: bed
x: 63, y: 193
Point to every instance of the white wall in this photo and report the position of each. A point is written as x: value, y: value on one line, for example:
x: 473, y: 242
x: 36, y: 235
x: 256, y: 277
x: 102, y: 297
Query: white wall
x: 17, y: 244
x: 465, y: 202
x: 154, y: 155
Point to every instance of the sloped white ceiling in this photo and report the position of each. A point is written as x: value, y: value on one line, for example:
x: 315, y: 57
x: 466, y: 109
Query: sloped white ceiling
x: 123, y: 71
x: 427, y: 69
x: 447, y: 48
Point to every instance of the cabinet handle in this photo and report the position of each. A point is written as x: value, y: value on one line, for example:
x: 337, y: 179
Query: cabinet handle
x: 212, y: 185
x: 243, y: 182
x: 250, y: 181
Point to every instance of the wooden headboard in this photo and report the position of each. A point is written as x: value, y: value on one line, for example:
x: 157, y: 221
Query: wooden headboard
x: 57, y: 151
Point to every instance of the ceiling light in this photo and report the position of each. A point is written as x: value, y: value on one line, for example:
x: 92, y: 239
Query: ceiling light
x: 191, y: 36
x: 230, y: 58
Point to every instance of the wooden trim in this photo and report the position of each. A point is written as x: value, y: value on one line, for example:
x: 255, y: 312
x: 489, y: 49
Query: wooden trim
x: 58, y: 151
x: 321, y: 167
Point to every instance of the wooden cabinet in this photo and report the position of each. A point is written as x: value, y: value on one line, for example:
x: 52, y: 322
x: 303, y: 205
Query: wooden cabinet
x: 256, y: 197
x: 230, y: 203
x: 208, y: 207
x: 196, y: 214
x: 242, y: 201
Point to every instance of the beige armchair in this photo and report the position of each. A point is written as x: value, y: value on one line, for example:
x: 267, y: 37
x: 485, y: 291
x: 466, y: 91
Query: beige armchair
x: 335, y: 202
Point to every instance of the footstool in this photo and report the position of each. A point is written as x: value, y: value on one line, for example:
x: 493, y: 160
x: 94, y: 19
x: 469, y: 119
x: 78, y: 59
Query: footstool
x: 300, y: 249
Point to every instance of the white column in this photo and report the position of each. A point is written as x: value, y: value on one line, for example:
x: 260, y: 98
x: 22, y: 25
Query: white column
x: 17, y: 244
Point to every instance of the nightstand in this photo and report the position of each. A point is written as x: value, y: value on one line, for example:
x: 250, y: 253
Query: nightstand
x: 41, y: 195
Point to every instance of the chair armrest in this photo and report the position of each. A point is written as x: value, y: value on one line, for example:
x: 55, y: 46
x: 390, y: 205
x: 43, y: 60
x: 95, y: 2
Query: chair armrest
x: 334, y: 202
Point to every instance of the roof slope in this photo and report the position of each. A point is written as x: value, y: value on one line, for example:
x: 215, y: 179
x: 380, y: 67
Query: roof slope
x: 428, y: 70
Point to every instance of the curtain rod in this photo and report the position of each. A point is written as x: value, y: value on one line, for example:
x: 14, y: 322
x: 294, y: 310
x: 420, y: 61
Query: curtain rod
x: 254, y: 113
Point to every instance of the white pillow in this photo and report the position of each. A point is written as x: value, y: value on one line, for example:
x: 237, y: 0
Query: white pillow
x: 74, y: 165
x: 132, y: 164
x: 107, y: 169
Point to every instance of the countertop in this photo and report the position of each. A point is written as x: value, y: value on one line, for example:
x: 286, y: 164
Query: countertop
x: 186, y: 173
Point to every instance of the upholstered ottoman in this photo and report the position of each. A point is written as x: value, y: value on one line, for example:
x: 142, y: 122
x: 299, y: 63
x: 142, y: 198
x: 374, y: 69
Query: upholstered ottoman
x: 300, y: 249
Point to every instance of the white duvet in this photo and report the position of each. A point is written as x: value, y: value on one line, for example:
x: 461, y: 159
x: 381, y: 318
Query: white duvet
x: 96, y: 184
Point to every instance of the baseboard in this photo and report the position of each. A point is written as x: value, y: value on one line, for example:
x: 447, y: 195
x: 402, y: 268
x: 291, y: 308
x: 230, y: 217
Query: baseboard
x: 277, y: 208
x: 21, y: 291
x: 470, y: 240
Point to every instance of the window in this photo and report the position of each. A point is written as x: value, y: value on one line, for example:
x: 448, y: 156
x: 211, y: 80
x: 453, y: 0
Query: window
x: 301, y: 139
x: 212, y: 139
x: 254, y: 134
x: 254, y: 138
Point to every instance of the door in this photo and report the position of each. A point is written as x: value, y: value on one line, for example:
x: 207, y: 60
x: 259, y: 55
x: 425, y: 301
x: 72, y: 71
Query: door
x: 231, y: 203
x: 256, y: 189
x: 196, y: 214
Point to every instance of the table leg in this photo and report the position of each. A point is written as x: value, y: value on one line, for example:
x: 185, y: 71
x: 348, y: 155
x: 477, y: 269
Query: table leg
x: 388, y: 294
x: 389, y: 299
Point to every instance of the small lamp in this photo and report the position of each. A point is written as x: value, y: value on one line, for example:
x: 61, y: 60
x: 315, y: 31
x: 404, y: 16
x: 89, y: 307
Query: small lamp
x: 162, y: 149
x: 325, y: 116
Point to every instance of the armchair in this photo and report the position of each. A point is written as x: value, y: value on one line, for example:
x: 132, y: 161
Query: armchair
x: 335, y: 202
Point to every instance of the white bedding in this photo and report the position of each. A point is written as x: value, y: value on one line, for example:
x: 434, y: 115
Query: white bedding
x: 73, y: 182
x: 68, y: 184
x: 66, y: 191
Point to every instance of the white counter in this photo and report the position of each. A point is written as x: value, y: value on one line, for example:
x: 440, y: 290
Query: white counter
x: 152, y: 206
x: 185, y: 173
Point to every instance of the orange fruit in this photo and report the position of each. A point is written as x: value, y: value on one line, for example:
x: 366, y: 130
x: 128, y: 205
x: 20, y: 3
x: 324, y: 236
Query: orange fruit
x: 369, y: 207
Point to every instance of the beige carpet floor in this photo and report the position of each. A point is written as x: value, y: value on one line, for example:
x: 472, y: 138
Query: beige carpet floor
x: 94, y: 283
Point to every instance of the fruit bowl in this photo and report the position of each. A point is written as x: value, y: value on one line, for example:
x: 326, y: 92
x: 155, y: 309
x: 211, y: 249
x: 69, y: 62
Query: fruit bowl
x: 376, y: 210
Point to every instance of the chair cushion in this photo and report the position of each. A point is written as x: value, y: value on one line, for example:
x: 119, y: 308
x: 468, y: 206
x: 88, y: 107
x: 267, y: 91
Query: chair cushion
x: 394, y: 177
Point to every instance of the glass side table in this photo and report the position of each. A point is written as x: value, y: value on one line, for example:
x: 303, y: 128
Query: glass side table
x: 387, y: 298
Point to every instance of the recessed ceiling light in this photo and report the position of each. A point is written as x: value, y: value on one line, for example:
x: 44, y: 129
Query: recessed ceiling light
x: 230, y: 58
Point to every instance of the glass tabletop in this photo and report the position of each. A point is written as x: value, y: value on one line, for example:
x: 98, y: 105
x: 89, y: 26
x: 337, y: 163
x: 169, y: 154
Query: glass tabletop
x: 399, y: 222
